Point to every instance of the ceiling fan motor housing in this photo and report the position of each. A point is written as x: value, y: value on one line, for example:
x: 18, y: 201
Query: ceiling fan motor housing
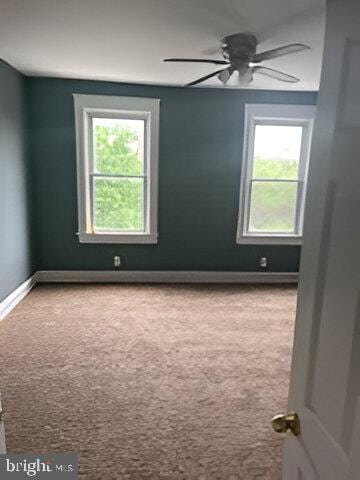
x: 239, y: 47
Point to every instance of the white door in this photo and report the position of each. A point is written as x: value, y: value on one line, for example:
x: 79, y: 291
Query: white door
x: 325, y: 381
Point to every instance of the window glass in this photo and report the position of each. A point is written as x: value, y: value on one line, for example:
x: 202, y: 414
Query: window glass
x: 277, y: 151
x: 118, y: 177
x: 119, y: 204
x: 273, y: 207
x: 118, y: 146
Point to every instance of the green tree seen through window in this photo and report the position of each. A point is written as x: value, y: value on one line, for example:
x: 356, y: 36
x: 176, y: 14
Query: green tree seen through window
x: 118, y: 201
x: 273, y: 204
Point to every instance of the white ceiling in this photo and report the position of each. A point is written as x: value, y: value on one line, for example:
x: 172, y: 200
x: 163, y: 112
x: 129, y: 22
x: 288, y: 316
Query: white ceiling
x: 126, y: 40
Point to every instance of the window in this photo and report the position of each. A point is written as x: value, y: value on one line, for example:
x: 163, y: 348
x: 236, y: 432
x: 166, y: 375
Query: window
x: 117, y: 168
x: 274, y: 172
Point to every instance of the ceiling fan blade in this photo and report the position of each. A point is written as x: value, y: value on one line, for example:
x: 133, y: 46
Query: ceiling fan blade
x: 278, y: 52
x: 197, y: 60
x: 270, y: 72
x: 202, y: 79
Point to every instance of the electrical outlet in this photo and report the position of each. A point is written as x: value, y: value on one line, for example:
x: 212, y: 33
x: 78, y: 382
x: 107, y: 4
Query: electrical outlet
x: 263, y: 262
x: 117, y: 261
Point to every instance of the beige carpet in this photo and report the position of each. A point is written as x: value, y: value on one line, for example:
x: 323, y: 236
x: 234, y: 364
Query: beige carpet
x: 150, y: 382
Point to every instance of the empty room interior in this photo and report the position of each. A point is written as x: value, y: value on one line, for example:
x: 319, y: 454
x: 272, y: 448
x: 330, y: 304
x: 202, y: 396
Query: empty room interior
x: 172, y: 210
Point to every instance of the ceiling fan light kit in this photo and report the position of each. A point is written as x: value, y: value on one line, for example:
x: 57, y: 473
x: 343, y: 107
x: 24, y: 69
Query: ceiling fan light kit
x: 239, y: 52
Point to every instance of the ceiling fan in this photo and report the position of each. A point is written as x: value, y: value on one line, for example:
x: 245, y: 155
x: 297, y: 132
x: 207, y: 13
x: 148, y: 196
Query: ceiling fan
x: 239, y: 52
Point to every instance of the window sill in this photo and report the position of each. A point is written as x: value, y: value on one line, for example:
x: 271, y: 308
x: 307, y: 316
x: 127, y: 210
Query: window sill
x: 134, y: 238
x: 268, y: 240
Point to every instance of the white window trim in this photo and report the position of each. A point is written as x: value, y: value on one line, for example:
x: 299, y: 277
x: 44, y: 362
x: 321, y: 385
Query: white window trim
x: 147, y: 109
x: 273, y: 114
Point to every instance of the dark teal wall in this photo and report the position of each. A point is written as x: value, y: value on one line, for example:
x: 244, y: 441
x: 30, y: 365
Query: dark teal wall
x: 15, y: 237
x: 201, y: 138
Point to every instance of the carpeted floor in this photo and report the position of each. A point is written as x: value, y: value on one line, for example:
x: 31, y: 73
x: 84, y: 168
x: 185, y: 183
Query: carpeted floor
x: 150, y: 382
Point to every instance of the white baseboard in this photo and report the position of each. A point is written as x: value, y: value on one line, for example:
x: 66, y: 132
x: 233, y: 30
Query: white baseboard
x: 16, y: 296
x: 110, y: 276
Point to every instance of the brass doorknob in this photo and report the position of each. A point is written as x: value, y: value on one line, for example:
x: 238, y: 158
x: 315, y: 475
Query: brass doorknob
x: 287, y: 423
